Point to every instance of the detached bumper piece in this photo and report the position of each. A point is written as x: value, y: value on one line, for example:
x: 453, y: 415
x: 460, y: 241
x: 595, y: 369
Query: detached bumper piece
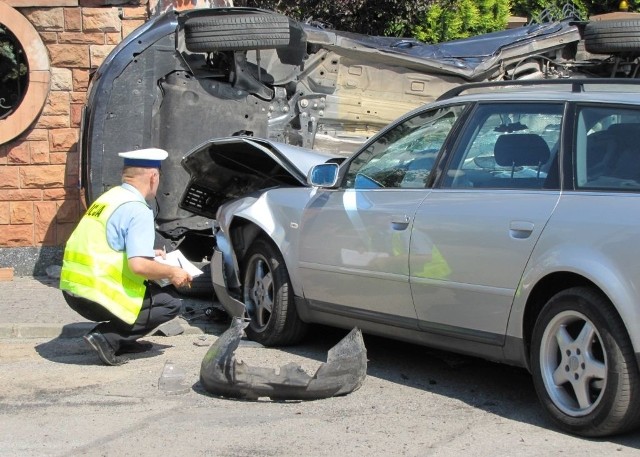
x: 343, y: 372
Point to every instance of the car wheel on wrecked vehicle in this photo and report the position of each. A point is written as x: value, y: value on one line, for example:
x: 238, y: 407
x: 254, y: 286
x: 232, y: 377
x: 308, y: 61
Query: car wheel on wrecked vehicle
x: 606, y: 37
x: 235, y: 32
x: 583, y: 365
x: 268, y: 297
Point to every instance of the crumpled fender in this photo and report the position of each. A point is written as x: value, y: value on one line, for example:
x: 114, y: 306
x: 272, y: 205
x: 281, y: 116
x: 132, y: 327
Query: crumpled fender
x: 342, y: 373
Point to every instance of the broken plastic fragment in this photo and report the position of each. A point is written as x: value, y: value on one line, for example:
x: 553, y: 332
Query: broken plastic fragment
x: 342, y: 373
x: 171, y: 379
x: 171, y: 328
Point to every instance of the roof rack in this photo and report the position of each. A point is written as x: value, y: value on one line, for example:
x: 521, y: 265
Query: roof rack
x: 577, y: 85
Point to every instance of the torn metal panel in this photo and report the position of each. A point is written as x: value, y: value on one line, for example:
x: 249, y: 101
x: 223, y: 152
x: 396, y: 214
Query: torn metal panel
x: 342, y: 373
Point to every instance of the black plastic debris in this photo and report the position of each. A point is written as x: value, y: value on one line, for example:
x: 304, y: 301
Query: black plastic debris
x: 343, y: 372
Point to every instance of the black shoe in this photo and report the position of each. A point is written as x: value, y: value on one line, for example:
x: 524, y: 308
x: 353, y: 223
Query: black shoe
x: 106, y: 353
x: 134, y: 347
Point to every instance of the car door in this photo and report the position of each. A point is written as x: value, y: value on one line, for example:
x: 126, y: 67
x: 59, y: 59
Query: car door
x: 354, y: 244
x: 473, y: 234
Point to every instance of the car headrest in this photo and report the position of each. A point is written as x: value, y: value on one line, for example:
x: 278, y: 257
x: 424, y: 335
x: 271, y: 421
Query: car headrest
x: 521, y: 149
x: 625, y: 134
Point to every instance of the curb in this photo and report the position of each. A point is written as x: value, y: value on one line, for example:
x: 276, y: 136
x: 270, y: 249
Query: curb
x: 45, y: 330
x: 77, y: 330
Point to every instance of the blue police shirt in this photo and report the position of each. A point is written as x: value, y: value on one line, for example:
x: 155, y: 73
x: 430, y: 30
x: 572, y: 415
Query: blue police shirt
x: 131, y: 227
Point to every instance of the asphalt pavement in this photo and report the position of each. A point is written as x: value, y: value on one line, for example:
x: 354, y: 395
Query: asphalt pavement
x: 33, y: 307
x: 58, y: 399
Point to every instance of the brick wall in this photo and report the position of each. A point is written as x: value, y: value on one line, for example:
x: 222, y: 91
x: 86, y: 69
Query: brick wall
x: 40, y: 201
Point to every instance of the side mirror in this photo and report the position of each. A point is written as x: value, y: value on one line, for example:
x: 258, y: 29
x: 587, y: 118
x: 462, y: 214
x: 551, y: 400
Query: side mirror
x: 323, y: 175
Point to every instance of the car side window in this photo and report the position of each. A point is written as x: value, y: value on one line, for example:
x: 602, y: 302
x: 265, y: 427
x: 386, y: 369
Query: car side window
x: 508, y: 146
x: 607, y: 149
x: 404, y: 156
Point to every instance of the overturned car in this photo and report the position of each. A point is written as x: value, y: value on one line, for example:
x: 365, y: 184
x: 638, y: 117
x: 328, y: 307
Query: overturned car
x: 186, y: 77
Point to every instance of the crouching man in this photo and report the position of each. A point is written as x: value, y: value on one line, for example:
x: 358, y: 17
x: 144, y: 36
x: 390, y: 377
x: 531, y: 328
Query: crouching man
x: 108, y: 264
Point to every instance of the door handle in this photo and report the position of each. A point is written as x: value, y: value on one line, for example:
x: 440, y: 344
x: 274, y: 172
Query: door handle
x: 520, y: 230
x: 400, y: 222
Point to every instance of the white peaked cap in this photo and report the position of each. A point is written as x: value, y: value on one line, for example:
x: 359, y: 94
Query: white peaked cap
x: 150, y: 157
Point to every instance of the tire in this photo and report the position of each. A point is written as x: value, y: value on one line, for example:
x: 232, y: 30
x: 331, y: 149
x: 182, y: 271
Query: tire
x: 236, y: 32
x: 268, y: 296
x: 612, y: 37
x: 580, y: 344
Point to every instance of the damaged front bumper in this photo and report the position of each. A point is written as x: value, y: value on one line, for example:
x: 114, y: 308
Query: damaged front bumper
x: 342, y: 373
x: 234, y: 307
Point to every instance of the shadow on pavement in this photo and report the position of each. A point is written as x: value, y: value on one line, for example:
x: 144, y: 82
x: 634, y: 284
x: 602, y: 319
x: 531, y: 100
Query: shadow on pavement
x: 73, y: 349
x: 499, y: 389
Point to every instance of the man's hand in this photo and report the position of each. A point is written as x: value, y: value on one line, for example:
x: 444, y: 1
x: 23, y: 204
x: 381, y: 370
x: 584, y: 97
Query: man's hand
x: 180, y: 278
x: 150, y: 269
x: 161, y: 252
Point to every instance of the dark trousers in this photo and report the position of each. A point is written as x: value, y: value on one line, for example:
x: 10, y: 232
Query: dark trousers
x: 160, y: 305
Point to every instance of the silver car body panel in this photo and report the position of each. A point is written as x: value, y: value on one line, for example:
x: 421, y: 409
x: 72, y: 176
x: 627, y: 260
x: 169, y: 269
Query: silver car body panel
x: 266, y: 212
x: 604, y: 251
x: 358, y: 240
x: 222, y: 168
x: 495, y: 228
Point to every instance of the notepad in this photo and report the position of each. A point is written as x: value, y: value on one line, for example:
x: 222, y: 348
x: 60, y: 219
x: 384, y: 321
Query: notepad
x: 177, y: 259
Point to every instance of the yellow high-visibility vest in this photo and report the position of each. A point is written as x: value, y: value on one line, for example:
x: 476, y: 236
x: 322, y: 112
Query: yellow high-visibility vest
x: 93, y: 270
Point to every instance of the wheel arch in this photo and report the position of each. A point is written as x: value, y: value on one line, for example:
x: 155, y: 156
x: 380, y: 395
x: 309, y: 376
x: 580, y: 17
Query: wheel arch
x: 542, y: 292
x: 244, y: 231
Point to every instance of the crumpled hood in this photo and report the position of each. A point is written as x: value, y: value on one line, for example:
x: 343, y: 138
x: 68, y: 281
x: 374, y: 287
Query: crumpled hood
x: 226, y: 168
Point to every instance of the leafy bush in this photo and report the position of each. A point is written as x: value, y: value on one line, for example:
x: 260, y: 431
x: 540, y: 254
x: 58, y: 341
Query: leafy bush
x: 541, y: 10
x: 371, y: 17
x: 453, y: 19
x: 430, y: 20
x: 13, y: 72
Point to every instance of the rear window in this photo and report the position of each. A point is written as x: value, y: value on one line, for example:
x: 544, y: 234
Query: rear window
x: 607, y: 148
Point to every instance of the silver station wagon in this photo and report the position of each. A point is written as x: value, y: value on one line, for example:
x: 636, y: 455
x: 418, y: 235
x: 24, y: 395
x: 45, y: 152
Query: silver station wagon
x: 502, y: 221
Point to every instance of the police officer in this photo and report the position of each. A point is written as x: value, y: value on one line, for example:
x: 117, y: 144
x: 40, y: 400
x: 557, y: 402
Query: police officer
x: 108, y: 264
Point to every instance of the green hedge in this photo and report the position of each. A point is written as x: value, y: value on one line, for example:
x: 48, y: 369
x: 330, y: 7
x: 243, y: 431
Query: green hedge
x: 430, y: 20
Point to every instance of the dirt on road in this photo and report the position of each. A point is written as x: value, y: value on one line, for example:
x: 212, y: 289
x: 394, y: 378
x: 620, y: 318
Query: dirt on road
x: 57, y: 399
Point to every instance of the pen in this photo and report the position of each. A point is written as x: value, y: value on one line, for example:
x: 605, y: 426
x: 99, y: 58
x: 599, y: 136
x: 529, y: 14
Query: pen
x: 180, y: 263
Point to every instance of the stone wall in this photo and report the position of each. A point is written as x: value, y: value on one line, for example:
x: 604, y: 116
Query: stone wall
x: 40, y: 196
x: 40, y: 199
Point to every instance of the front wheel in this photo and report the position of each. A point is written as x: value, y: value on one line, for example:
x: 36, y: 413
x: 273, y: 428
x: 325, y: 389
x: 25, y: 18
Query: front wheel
x: 583, y: 365
x: 268, y: 297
